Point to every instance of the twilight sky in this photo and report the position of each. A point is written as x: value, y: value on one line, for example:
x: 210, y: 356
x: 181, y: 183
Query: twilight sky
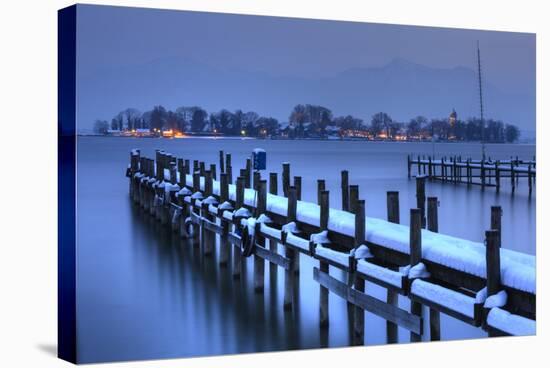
x: 112, y: 40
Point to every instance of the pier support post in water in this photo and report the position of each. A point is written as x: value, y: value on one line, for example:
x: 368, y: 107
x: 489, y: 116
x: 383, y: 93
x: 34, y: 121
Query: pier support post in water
x: 323, y: 266
x: 289, y: 252
x: 286, y: 178
x: 415, y: 257
x: 224, y: 243
x: 259, y: 262
x: 421, y: 198
x: 208, y: 237
x: 433, y: 225
x: 222, y: 163
x: 409, y: 166
x: 237, y: 259
x: 273, y: 244
x: 229, y: 168
x: 492, y: 258
x: 345, y: 190
x: 359, y: 283
x: 392, y: 296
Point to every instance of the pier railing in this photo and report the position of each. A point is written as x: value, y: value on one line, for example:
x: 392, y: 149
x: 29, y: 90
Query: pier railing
x: 480, y: 284
x: 484, y: 173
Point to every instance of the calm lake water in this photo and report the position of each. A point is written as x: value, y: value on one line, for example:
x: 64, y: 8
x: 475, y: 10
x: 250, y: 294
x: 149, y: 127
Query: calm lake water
x: 143, y: 293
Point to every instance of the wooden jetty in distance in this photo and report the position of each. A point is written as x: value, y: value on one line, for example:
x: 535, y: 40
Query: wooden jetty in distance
x: 484, y: 173
x: 440, y: 272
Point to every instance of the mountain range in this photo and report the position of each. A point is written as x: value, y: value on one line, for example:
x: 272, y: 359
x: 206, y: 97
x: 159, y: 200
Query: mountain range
x: 401, y: 88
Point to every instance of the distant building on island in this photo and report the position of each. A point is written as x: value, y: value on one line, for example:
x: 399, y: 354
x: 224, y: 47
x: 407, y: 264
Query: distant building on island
x: 452, y: 118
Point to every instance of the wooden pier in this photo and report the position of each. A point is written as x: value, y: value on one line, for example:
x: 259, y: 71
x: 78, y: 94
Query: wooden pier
x: 486, y: 173
x: 433, y: 270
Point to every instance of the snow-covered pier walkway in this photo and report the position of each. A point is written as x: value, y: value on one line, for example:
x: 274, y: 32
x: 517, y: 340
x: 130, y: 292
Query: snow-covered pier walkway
x: 480, y: 284
x: 484, y: 173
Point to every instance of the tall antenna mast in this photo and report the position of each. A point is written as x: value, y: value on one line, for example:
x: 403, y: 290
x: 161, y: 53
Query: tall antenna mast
x: 481, y: 104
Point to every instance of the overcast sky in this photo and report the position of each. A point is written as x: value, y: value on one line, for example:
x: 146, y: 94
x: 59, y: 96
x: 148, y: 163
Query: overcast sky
x: 118, y: 37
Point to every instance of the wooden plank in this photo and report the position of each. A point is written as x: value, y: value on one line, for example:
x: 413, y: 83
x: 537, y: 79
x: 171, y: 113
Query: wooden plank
x: 369, y: 303
x: 272, y: 257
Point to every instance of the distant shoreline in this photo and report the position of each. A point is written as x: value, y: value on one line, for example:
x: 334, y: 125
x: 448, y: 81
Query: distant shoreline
x: 235, y: 137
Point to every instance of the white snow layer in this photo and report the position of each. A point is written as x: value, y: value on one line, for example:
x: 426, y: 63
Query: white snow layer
x: 270, y: 231
x: 361, y: 252
x: 418, y: 271
x: 511, y: 323
x: 380, y: 273
x: 337, y: 257
x: 517, y: 269
x: 320, y: 238
x: 496, y: 300
x: 297, y: 241
x: 448, y: 298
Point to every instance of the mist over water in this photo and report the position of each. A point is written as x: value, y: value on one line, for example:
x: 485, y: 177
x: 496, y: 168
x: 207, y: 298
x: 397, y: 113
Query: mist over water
x: 144, y: 293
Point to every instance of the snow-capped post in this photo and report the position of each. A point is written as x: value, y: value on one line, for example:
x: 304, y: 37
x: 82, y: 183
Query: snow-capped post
x: 286, y: 178
x: 392, y: 199
x: 323, y: 200
x: 259, y: 262
x: 224, y: 244
x: 289, y: 252
x: 222, y: 162
x: 239, y: 202
x: 321, y: 185
x: 353, y: 197
x: 421, y: 198
x: 359, y: 283
x: 433, y: 223
x: 496, y: 221
x: 409, y: 166
x: 492, y: 257
x: 345, y: 190
x: 248, y: 177
x: 181, y: 182
x: 415, y: 243
x: 213, y: 171
x: 207, y: 237
x: 298, y: 185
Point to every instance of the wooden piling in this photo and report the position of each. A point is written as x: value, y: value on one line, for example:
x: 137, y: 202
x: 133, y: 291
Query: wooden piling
x: 353, y: 197
x: 298, y: 186
x: 409, y: 166
x: 273, y: 244
x: 259, y: 262
x: 512, y: 177
x: 392, y: 201
x: 289, y: 252
x: 345, y: 190
x: 222, y: 163
x: 239, y: 201
x: 433, y: 225
x: 415, y: 257
x: 286, y: 178
x: 359, y: 318
x: 321, y: 185
x: 421, y: 198
x: 208, y: 238
x: 248, y: 176
x: 224, y: 243
x: 213, y: 171
x: 323, y: 201
x: 492, y: 257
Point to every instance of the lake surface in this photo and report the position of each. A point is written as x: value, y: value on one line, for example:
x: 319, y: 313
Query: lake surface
x: 143, y: 293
